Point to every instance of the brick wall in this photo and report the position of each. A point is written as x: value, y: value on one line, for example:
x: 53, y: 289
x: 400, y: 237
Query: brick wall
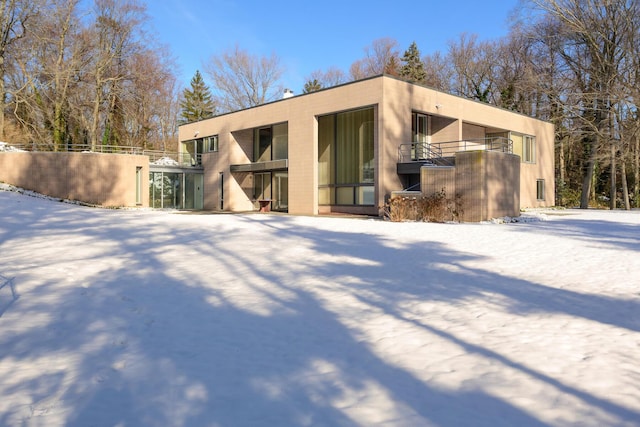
x: 95, y: 178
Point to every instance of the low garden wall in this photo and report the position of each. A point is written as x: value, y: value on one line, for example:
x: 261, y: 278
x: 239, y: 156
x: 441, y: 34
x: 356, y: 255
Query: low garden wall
x: 110, y: 180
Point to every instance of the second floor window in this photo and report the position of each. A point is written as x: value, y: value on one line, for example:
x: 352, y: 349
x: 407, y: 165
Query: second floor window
x: 524, y: 146
x: 529, y: 149
x: 271, y: 143
x: 211, y: 143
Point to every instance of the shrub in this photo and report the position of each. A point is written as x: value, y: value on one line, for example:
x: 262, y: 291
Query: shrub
x: 434, y: 208
x: 567, y: 197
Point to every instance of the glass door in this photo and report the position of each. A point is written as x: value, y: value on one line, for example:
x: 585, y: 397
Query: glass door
x: 193, y: 190
x: 420, y: 135
x: 280, y: 191
x: 262, y: 190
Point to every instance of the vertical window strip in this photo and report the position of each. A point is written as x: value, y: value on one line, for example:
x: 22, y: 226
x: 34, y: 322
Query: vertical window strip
x: 529, y: 149
x: 540, y: 189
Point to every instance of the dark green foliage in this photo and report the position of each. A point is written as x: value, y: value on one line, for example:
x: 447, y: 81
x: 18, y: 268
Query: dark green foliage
x: 312, y: 86
x: 197, y: 103
x: 413, y: 68
x: 567, y: 197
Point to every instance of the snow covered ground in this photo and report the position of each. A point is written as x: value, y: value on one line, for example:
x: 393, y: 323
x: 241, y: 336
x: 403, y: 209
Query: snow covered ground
x: 150, y: 318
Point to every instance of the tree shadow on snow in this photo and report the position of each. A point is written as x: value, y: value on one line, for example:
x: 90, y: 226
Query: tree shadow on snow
x: 603, y: 232
x: 184, y: 329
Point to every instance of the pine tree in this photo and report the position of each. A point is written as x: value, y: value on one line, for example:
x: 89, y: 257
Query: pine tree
x: 312, y: 86
x: 413, y: 68
x: 197, y: 103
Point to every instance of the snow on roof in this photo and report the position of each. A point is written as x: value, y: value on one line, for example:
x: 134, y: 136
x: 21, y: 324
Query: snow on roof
x: 5, y: 147
x: 165, y: 161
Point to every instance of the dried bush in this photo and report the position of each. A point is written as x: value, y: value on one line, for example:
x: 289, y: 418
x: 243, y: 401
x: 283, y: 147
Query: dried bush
x: 434, y: 208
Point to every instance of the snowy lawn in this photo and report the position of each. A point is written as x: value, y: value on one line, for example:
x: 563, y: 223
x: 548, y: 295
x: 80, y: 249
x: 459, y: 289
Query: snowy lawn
x: 147, y: 318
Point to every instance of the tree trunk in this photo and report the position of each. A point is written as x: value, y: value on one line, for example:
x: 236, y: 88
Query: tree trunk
x: 586, y: 183
x: 636, y: 172
x: 588, y: 177
x: 561, y: 161
x: 613, y: 188
x: 625, y: 188
x: 3, y: 97
x: 561, y: 167
x: 94, y: 124
x: 61, y: 80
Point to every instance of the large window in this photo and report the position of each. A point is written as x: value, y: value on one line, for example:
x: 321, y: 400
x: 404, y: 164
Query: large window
x: 524, y: 146
x: 176, y: 190
x: 192, y: 150
x: 262, y: 186
x: 346, y: 163
x: 271, y: 143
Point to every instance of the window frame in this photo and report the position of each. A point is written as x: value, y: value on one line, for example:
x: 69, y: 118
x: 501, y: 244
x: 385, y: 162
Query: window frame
x: 528, y: 148
x: 263, y: 152
x: 211, y: 144
x: 540, y: 190
x: 339, y: 191
x: 418, y: 120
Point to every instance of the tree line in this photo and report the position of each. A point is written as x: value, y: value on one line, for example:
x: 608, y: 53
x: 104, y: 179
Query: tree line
x: 95, y: 76
x: 84, y: 73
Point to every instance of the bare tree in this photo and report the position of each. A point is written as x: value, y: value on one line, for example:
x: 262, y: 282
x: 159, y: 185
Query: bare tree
x: 241, y: 80
x: 149, y: 101
x: 86, y: 76
x: 323, y: 79
x: 594, y: 49
x: 116, y: 32
x: 473, y: 62
x: 14, y: 15
x: 631, y: 122
x: 380, y: 57
x: 543, y: 88
x: 438, y: 70
x: 61, y: 55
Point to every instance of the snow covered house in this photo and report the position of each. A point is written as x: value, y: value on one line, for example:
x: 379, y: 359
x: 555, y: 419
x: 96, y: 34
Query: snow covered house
x: 349, y: 148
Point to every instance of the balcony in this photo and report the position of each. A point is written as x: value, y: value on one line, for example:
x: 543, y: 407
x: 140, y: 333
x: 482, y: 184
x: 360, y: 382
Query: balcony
x: 156, y: 157
x: 271, y: 165
x: 413, y: 155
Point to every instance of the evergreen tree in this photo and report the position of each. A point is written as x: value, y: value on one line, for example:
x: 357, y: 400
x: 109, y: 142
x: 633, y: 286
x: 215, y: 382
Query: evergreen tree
x: 312, y: 86
x: 413, y: 68
x: 197, y: 103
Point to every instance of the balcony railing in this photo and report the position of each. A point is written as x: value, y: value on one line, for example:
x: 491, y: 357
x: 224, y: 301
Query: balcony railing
x: 435, y: 152
x: 162, y: 157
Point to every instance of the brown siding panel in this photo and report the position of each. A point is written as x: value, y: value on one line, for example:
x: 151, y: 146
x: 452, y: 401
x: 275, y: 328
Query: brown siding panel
x: 436, y: 179
x: 488, y: 183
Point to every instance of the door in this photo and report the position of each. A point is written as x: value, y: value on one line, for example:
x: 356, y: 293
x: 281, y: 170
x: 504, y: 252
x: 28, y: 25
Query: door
x: 280, y: 191
x: 420, y: 131
x: 262, y: 186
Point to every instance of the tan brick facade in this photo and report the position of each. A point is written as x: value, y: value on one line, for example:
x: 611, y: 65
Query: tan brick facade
x: 113, y: 180
x: 230, y: 172
x: 451, y: 119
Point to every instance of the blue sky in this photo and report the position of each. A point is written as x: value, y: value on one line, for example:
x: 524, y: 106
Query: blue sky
x: 312, y: 36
